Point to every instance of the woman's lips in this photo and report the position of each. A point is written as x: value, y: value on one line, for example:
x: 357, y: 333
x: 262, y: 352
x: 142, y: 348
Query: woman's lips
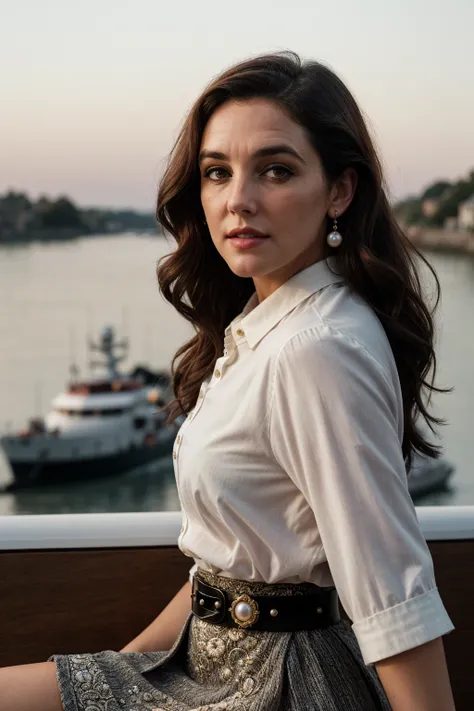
x: 246, y: 242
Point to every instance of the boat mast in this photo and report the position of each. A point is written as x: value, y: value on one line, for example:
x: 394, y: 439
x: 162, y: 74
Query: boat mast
x: 108, y: 347
x: 73, y: 366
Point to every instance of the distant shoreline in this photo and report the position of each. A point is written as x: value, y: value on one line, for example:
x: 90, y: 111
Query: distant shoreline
x: 66, y: 234
x: 421, y: 237
x: 441, y: 240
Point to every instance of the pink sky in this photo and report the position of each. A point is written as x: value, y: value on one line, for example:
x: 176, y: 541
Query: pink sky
x: 94, y: 92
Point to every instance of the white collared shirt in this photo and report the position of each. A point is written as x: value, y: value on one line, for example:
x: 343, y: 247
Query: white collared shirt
x: 290, y: 466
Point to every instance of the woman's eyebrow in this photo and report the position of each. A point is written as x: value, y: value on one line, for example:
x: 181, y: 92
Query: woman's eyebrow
x: 260, y: 153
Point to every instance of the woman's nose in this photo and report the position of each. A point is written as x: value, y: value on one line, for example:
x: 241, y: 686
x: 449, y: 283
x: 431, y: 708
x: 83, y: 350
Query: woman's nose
x: 242, y: 197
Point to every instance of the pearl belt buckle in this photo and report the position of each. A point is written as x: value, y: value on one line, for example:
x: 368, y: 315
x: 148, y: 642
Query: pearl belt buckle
x: 244, y: 611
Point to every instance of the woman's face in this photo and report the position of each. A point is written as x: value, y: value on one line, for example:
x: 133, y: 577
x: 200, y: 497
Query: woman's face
x: 259, y: 171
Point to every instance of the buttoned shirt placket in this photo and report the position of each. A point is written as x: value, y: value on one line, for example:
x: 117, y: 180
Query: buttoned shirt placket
x: 232, y: 333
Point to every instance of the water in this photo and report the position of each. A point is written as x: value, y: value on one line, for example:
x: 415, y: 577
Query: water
x: 53, y: 296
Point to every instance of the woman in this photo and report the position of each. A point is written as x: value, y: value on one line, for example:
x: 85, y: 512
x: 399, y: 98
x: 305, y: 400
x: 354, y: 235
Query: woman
x: 301, y: 387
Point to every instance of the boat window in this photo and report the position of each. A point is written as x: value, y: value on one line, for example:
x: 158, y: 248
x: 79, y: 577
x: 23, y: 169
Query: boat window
x: 139, y: 423
x: 92, y: 413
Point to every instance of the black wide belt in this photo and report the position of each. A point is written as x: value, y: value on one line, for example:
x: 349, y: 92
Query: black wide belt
x: 270, y: 613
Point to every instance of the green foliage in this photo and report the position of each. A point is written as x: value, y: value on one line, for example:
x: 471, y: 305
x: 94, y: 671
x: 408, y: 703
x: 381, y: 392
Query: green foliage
x: 61, y: 213
x: 22, y: 219
x: 450, y: 196
x: 13, y: 202
x: 436, y: 190
x: 409, y: 211
x: 460, y: 192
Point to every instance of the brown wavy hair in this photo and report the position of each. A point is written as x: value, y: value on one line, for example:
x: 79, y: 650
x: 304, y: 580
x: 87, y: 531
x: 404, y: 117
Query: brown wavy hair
x: 375, y: 259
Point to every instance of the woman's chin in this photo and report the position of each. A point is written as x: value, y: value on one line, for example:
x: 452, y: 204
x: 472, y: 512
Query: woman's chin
x: 249, y: 266
x: 247, y: 271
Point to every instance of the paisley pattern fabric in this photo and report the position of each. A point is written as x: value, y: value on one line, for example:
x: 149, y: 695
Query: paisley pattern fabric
x: 214, y: 668
x: 241, y: 587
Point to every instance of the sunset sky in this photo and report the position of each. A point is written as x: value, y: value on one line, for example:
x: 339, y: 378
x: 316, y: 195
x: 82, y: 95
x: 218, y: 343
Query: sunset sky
x: 93, y: 91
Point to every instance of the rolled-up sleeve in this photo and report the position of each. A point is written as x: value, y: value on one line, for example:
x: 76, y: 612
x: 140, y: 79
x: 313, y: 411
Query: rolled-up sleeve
x: 192, y: 571
x: 335, y: 427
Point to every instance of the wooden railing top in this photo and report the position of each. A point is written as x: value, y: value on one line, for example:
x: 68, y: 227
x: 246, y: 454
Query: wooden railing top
x: 131, y: 530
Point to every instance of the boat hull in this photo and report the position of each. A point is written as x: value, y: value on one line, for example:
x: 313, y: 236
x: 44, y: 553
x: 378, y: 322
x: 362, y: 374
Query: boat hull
x: 29, y: 474
x: 430, y: 479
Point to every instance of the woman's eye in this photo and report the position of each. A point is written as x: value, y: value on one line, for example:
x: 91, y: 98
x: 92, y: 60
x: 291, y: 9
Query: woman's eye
x: 275, y: 172
x: 215, y: 173
x: 279, y: 172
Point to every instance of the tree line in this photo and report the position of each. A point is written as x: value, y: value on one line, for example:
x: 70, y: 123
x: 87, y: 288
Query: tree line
x: 22, y: 219
x: 448, y: 197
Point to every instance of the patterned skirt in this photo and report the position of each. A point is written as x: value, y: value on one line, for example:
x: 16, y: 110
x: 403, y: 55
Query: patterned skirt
x: 214, y: 668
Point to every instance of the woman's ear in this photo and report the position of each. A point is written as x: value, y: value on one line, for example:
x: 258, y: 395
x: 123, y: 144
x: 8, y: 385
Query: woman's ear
x: 342, y: 192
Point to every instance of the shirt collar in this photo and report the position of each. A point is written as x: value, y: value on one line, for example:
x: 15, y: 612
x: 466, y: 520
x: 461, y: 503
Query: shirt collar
x: 258, y: 319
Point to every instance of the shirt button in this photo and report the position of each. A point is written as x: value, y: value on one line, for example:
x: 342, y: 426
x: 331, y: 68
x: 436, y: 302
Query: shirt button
x: 239, y: 332
x: 178, y: 439
x: 174, y: 455
x: 201, y: 396
x: 217, y: 373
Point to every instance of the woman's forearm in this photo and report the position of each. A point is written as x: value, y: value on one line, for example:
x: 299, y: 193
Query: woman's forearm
x: 417, y: 680
x: 161, y: 634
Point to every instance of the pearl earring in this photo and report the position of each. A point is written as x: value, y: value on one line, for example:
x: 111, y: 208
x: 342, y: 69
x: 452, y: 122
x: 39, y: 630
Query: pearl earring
x: 334, y: 238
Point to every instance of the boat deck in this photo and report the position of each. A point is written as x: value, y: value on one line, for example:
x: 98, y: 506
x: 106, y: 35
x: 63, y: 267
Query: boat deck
x: 84, y: 583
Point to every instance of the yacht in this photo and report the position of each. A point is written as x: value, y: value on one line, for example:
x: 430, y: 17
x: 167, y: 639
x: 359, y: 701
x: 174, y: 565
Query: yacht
x: 428, y: 475
x: 97, y: 427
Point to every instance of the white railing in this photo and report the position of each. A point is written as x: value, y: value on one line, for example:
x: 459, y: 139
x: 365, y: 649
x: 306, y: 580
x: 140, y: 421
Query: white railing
x: 111, y: 530
x: 129, y: 530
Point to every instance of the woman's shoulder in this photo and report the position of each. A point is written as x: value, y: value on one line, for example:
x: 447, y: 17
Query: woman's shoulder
x: 337, y: 322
